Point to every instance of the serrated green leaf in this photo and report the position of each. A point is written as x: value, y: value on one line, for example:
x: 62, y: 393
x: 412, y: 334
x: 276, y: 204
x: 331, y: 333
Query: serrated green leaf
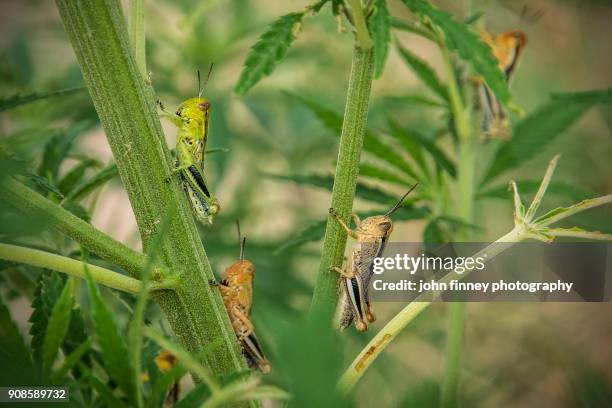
x: 47, y: 293
x: 87, y: 186
x: 467, y: 44
x: 407, y: 141
x: 45, y: 185
x: 371, y: 143
x: 326, y: 182
x: 59, y: 320
x: 313, y: 232
x: 74, y: 176
x: 268, y: 51
x: 380, y: 27
x: 103, y: 390
x: 474, y: 17
x: 433, y: 233
x: 439, y: 157
x: 73, y: 358
x: 423, y: 71
x: 415, y: 100
x: 76, y: 332
x: 114, y: 351
x: 598, y: 96
x: 576, y: 193
x: 373, y: 171
x: 316, y: 231
x: 412, y: 28
x: 57, y: 149
x: 540, y: 128
x: 13, y: 350
x: 18, y: 99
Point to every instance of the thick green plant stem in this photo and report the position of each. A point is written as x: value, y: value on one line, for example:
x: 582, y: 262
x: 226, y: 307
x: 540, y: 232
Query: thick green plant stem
x: 126, y: 107
x: 347, y: 168
x: 137, y: 34
x: 71, y: 267
x: 465, y: 195
x: 30, y: 203
x: 454, y: 348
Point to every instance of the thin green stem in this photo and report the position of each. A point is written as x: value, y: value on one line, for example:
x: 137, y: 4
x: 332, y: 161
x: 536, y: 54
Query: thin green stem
x: 466, y: 185
x: 30, y: 203
x: 136, y: 28
x: 454, y: 348
x: 535, y: 204
x: 69, y: 266
x: 363, y: 35
x: 347, y: 169
x: 548, y: 219
x: 412, y: 28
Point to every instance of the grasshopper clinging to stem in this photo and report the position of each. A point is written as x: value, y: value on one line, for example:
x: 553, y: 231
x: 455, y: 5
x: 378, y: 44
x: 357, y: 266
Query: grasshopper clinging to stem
x: 192, y: 120
x: 237, y: 293
x: 371, y: 235
x: 507, y: 48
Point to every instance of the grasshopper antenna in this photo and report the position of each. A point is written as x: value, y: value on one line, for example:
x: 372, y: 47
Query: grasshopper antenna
x: 201, y: 89
x: 199, y: 85
x: 242, y: 241
x: 401, y: 200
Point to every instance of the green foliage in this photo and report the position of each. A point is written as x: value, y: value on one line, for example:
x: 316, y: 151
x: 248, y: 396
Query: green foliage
x: 268, y: 51
x: 85, y: 187
x: 371, y: 144
x: 424, y: 71
x: 57, y: 149
x: 382, y: 174
x: 575, y: 192
x: 17, y: 100
x: 13, y: 351
x: 380, y: 28
x: 540, y: 128
x: 47, y: 292
x: 74, y: 176
x: 315, y: 231
x: 326, y: 182
x: 113, y: 347
x: 458, y: 37
x: 408, y: 141
x: 59, y: 321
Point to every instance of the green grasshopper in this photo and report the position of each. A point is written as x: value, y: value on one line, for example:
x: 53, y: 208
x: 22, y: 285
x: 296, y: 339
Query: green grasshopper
x: 192, y: 120
x: 371, y: 235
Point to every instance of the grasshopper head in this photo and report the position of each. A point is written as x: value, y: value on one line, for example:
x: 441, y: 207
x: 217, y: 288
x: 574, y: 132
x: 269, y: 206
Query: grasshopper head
x: 381, y: 226
x: 376, y: 226
x: 194, y: 112
x: 240, y: 272
x: 513, y: 38
x: 508, y: 46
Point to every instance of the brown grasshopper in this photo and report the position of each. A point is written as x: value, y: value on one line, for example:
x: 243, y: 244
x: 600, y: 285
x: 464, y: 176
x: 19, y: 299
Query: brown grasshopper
x: 371, y: 235
x: 237, y: 292
x: 507, y: 47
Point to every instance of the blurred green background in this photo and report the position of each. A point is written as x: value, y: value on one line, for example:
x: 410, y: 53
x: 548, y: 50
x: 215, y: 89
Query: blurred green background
x: 516, y: 354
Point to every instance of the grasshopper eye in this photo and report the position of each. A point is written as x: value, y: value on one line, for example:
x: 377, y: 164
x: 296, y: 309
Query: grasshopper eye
x: 385, y: 226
